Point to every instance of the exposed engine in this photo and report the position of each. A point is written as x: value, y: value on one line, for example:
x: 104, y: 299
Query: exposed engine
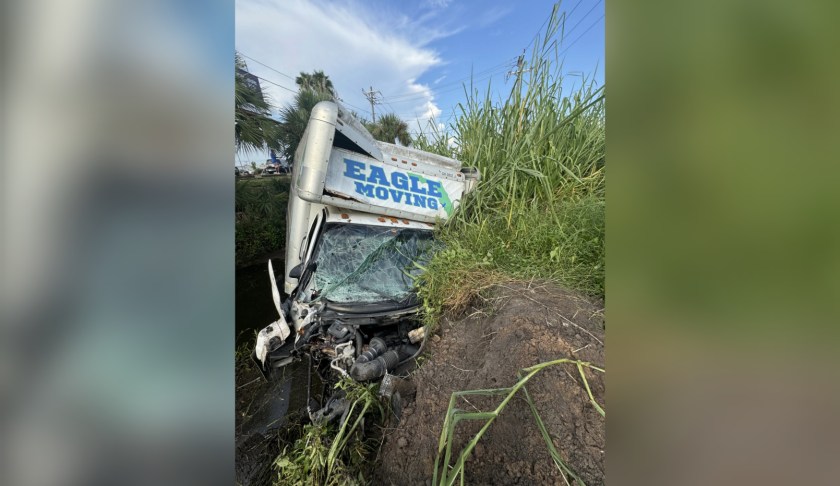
x: 362, y: 346
x: 362, y: 350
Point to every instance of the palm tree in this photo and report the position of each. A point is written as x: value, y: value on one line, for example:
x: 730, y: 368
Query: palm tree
x: 254, y: 128
x: 389, y: 128
x: 317, y: 81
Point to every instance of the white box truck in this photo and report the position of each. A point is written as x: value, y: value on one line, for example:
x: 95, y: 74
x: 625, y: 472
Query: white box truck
x: 360, y: 226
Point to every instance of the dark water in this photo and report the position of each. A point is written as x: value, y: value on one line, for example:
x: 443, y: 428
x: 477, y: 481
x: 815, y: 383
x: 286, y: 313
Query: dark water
x: 265, y: 404
x: 254, y: 307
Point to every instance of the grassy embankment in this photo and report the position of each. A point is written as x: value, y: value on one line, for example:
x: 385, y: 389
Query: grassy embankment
x: 260, y: 217
x: 538, y: 211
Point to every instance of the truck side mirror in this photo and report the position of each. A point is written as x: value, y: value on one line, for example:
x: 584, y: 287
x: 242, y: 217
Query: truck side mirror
x: 296, y: 271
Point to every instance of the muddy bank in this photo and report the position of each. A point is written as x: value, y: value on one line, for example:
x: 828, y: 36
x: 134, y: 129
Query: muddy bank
x: 519, y: 326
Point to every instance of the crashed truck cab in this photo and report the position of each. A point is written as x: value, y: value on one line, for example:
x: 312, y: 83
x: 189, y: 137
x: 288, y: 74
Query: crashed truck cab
x: 360, y: 224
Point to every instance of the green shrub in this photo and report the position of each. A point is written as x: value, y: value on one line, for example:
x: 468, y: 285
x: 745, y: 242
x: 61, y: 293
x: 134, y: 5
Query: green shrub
x: 260, y: 206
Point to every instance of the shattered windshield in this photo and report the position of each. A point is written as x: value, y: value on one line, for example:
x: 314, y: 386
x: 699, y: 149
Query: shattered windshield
x: 368, y: 264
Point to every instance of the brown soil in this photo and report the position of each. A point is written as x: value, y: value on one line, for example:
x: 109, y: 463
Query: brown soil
x: 521, y: 325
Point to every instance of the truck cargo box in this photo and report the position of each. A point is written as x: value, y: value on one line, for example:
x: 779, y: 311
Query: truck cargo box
x: 342, y: 165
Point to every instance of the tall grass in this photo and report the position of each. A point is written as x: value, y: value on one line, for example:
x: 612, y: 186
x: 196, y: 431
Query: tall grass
x: 539, y: 208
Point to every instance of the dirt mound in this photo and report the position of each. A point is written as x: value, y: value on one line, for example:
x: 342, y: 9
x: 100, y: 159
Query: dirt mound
x: 520, y: 326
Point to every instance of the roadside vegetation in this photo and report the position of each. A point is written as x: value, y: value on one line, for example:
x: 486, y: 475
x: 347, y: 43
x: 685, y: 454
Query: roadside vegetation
x: 260, y: 205
x: 389, y: 128
x: 539, y: 209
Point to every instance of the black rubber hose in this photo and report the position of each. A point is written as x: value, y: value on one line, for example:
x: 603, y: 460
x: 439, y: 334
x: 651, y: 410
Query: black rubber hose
x: 406, y: 351
x: 370, y: 370
x: 377, y: 347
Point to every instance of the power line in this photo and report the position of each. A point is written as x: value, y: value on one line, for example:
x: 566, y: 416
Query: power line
x: 582, y: 18
x: 447, y: 115
x: 449, y: 90
x: 393, y: 110
x: 566, y: 48
x: 473, y: 76
x: 534, y: 37
x: 457, y: 84
x: 351, y: 106
x: 566, y: 33
x: 581, y: 35
x: 289, y: 89
x: 266, y: 65
x: 504, y: 65
x: 573, y: 9
x: 275, y: 70
x: 276, y: 84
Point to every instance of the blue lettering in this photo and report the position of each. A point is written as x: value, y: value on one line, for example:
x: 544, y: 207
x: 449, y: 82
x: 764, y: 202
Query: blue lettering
x: 399, y: 180
x: 433, y: 203
x: 364, y: 189
x: 381, y: 193
x: 377, y: 175
x: 354, y: 170
x: 420, y: 201
x: 434, y: 188
x: 396, y: 195
x: 414, y: 187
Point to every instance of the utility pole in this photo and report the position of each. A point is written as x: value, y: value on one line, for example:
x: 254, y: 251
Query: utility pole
x: 520, y: 68
x: 371, y: 96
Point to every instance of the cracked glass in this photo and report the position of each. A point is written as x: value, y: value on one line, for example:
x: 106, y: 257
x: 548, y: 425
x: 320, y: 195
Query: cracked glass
x: 367, y: 264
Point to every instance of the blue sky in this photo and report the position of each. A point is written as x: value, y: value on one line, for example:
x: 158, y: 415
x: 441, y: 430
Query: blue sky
x: 417, y: 54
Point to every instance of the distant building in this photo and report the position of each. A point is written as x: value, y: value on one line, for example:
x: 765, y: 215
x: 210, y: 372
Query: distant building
x: 250, y: 80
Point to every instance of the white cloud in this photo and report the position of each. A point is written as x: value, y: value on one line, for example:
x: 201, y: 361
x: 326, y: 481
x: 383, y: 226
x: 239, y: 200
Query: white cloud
x: 438, y: 3
x: 493, y: 15
x: 357, y: 48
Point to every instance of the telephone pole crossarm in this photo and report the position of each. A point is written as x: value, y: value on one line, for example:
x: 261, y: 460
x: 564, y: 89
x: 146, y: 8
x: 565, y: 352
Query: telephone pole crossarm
x: 371, y: 97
